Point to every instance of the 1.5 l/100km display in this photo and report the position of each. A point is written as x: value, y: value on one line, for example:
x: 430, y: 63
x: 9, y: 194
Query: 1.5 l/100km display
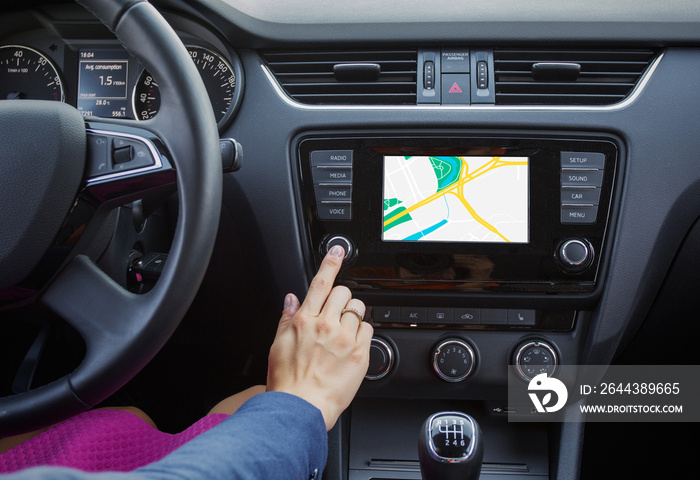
x: 456, y: 199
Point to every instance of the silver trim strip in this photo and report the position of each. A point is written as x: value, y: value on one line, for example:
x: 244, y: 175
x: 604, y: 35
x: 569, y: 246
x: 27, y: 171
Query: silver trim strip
x: 433, y: 107
x: 127, y: 173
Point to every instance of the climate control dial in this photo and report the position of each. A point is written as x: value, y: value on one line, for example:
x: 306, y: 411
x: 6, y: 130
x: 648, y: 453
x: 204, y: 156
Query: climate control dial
x: 453, y: 360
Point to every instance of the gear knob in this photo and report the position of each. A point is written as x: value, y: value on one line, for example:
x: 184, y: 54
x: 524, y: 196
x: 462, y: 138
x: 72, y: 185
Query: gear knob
x: 450, y: 447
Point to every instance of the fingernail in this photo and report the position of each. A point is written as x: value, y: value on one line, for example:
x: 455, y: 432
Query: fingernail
x: 337, y: 251
x: 288, y: 301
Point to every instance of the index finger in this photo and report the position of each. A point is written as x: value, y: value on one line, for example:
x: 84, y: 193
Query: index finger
x: 322, y: 284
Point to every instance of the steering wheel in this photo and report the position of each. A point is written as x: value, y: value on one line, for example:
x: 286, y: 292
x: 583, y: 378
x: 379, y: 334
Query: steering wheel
x: 44, y: 164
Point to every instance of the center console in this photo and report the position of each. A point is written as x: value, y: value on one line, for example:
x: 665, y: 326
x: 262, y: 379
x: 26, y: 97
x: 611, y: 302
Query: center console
x: 473, y: 251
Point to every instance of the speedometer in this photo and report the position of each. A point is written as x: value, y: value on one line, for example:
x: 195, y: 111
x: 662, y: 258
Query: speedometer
x: 27, y: 74
x: 217, y: 74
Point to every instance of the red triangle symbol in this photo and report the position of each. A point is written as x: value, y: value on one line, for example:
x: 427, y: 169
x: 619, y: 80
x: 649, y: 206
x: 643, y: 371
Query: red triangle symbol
x: 455, y: 88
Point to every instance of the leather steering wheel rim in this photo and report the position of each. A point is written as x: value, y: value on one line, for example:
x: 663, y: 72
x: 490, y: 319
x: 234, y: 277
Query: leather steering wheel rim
x: 123, y: 331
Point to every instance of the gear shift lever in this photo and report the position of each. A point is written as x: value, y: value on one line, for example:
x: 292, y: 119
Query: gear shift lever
x: 450, y: 447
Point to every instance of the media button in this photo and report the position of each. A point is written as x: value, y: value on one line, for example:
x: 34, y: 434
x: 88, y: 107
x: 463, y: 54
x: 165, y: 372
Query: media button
x: 467, y: 316
x: 331, y: 175
x: 414, y: 314
x: 334, y: 211
x: 331, y: 157
x: 521, y: 317
x: 582, y: 160
x: 440, y: 315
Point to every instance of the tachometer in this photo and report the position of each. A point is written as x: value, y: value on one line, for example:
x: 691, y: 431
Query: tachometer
x: 27, y: 74
x: 217, y: 74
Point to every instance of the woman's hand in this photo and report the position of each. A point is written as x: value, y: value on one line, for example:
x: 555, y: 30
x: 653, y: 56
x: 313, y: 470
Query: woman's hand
x: 319, y: 353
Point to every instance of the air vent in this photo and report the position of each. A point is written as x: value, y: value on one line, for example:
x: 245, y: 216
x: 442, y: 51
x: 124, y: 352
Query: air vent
x: 363, y: 77
x: 567, y: 77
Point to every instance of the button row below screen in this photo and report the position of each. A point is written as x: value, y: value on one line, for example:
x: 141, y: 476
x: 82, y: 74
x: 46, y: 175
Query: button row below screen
x: 457, y: 316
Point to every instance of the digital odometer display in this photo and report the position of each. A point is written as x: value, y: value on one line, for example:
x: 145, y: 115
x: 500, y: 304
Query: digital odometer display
x: 103, y: 82
x: 456, y: 199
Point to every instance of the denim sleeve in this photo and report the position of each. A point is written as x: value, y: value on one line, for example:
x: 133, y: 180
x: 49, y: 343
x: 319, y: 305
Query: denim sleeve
x: 273, y: 435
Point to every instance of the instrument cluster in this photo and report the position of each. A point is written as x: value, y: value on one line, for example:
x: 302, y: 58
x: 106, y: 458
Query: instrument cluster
x: 101, y: 79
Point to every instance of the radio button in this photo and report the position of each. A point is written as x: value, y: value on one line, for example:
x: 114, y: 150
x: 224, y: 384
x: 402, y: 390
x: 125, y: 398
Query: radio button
x: 580, y: 196
x: 467, y: 316
x: 494, y: 316
x: 334, y: 211
x: 521, y: 317
x: 582, y: 160
x: 578, y: 215
x: 331, y: 157
x: 588, y: 178
x: 333, y: 192
x: 440, y: 315
x: 331, y: 175
x: 414, y: 314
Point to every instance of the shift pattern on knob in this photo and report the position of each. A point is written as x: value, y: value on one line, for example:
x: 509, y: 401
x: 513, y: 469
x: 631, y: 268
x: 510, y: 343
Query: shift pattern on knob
x: 450, y: 447
x: 451, y: 436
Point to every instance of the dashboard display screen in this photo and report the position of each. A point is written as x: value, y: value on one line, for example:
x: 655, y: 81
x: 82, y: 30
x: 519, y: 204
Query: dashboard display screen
x: 103, y: 82
x: 479, y: 199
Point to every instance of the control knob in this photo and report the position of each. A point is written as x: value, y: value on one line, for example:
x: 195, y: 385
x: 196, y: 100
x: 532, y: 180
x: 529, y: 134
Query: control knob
x: 381, y: 359
x: 332, y: 240
x: 453, y: 360
x: 575, y: 254
x: 534, y: 357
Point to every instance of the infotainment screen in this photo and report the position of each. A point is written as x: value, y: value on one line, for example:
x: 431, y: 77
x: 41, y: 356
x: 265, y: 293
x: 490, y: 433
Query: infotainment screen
x: 481, y: 199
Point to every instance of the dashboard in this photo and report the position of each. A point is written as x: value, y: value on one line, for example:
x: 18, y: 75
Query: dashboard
x: 508, y: 181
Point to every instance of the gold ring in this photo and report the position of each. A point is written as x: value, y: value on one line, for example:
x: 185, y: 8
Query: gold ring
x: 354, y: 311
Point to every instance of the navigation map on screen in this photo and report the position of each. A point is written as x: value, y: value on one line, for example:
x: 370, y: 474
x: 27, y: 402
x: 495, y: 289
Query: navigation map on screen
x: 456, y: 199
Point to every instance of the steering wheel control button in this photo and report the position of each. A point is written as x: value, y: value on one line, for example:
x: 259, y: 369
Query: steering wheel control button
x: 386, y: 314
x: 575, y: 254
x: 587, y: 160
x: 535, y: 357
x: 468, y: 316
x: 494, y: 316
x: 453, y: 360
x: 414, y: 315
x: 381, y: 359
x: 521, y: 317
x: 341, y: 240
x: 114, y: 153
x: 440, y: 315
x: 331, y: 158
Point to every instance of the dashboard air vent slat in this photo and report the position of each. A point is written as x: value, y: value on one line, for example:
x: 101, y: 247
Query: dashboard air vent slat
x: 309, y: 77
x: 606, y: 76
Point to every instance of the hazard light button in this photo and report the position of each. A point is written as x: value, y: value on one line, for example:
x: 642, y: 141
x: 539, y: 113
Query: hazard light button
x: 455, y: 88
